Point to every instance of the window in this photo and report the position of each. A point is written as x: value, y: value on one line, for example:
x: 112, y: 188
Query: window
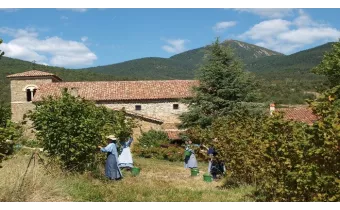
x: 28, y: 95
x: 30, y: 92
x: 175, y: 106
x: 138, y: 107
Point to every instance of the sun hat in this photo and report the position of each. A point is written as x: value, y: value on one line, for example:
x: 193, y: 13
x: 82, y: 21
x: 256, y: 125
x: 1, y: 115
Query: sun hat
x: 112, y: 137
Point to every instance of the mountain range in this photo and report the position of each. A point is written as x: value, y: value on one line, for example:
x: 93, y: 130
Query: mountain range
x: 284, y: 78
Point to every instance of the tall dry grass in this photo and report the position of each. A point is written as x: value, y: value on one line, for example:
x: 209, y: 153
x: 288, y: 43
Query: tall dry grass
x: 37, y: 185
x: 158, y: 181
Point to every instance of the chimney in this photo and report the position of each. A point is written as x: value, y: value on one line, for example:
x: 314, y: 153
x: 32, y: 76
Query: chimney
x: 272, y: 108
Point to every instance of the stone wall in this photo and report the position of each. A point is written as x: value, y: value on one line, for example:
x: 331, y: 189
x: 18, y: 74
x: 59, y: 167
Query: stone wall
x: 18, y: 91
x: 19, y: 103
x: 19, y: 109
x: 160, y: 109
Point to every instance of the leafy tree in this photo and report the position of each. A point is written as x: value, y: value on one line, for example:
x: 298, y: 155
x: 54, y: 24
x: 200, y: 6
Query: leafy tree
x: 1, y: 52
x: 223, y: 84
x: 153, y: 138
x: 71, y: 128
x: 9, y: 134
x: 324, y: 152
x: 330, y: 65
x: 9, y: 131
x: 5, y: 114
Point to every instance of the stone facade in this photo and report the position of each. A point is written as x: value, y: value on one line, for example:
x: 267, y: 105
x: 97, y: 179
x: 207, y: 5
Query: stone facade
x: 157, y: 114
x: 165, y: 110
x: 19, y: 103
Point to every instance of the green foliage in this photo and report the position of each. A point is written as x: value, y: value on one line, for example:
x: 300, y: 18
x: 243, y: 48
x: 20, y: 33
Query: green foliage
x: 330, y: 65
x: 153, y: 138
x: 1, y: 52
x: 239, y: 144
x: 223, y: 85
x: 10, y: 133
x: 283, y: 154
x: 171, y: 153
x: 70, y: 129
x: 155, y: 144
x: 5, y: 114
x: 285, y: 160
x: 324, y: 152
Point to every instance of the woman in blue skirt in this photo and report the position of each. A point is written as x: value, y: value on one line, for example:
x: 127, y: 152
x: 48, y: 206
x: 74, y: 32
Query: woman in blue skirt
x: 112, y: 170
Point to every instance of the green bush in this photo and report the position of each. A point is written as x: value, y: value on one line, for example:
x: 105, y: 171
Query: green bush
x: 5, y: 114
x: 171, y: 153
x: 153, y: 138
x: 70, y: 129
x: 9, y: 135
x: 285, y: 160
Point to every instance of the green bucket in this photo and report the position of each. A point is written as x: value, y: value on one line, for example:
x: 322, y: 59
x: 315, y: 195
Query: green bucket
x: 207, y: 178
x: 135, y: 171
x: 187, y: 153
x: 194, y: 171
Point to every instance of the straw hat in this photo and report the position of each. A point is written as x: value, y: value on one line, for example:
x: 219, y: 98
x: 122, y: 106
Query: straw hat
x: 112, y: 137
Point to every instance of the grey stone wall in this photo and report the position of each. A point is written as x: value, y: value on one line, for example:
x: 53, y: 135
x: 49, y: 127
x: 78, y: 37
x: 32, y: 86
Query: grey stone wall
x: 158, y: 109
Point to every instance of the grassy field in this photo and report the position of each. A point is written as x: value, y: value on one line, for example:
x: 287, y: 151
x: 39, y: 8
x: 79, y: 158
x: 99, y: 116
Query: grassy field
x: 158, y: 181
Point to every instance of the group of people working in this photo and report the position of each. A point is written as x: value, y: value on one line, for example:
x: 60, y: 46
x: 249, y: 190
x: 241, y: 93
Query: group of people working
x: 215, y: 166
x: 115, y: 162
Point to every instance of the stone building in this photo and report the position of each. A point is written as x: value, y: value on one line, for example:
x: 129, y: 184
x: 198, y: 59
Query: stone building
x: 155, y: 104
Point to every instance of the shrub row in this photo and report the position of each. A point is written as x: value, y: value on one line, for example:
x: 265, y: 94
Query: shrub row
x: 285, y: 160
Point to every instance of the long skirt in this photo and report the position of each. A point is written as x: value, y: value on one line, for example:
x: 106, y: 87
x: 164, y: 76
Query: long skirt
x: 191, y: 162
x: 112, y: 170
x: 125, y: 159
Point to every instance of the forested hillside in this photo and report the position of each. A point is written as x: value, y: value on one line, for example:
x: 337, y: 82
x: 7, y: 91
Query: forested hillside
x: 283, y: 79
x: 180, y: 66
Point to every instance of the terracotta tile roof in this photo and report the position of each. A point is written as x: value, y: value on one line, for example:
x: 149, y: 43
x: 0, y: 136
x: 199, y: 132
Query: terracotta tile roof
x: 135, y: 114
x: 301, y: 114
x: 33, y: 73
x: 121, y: 90
x: 173, y: 134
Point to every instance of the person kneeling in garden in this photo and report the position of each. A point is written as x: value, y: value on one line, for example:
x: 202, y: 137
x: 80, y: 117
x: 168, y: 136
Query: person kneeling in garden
x: 112, y: 170
x: 190, y: 158
x: 125, y: 158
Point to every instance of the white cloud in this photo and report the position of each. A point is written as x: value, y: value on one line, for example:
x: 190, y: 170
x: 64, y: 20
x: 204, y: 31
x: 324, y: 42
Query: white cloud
x: 51, y: 50
x: 221, y: 26
x: 64, y: 17
x: 74, y: 9
x: 288, y: 36
x: 267, y: 28
x: 310, y: 35
x: 27, y: 32
x: 84, y: 38
x: 269, y: 12
x: 175, y: 45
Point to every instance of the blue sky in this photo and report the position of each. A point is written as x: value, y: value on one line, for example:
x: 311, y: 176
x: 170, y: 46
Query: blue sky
x: 77, y: 38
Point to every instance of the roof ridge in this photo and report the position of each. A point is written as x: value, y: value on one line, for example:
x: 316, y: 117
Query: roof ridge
x: 139, y: 115
x: 33, y: 73
x: 69, y: 82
